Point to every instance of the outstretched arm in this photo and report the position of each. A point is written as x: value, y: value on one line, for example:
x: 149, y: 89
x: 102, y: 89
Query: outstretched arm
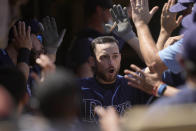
x: 149, y: 82
x: 123, y: 28
x: 141, y: 17
x: 51, y: 36
x: 168, y: 24
x: 22, y: 38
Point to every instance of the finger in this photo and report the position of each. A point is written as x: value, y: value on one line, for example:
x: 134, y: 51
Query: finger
x: 169, y: 4
x: 54, y: 26
x: 172, y: 2
x: 120, y: 12
x: 108, y: 28
x: 179, y: 20
x: 133, y: 5
x: 15, y: 31
x: 49, y: 21
x: 23, y: 29
x: 115, y: 9
x: 154, y: 10
x: 41, y: 27
x: 143, y: 3
x: 114, y: 17
x: 29, y: 32
x: 132, y: 84
x: 131, y: 79
x: 179, y: 37
x: 146, y: 4
x: 133, y: 74
x: 62, y: 35
x: 135, y: 68
x: 45, y: 22
x: 139, y: 71
x: 100, y: 111
x: 19, y: 28
x: 164, y: 10
x: 126, y: 15
x: 138, y: 2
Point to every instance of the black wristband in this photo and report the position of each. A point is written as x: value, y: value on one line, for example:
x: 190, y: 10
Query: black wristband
x: 23, y: 55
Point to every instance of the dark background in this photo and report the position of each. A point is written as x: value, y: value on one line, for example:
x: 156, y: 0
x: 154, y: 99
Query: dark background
x: 69, y: 15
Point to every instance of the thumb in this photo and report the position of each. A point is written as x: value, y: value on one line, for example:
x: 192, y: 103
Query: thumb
x: 153, y: 11
x: 62, y: 36
x: 111, y: 28
x: 179, y: 20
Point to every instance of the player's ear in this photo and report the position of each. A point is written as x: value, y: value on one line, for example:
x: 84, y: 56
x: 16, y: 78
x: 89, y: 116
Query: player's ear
x: 91, y: 61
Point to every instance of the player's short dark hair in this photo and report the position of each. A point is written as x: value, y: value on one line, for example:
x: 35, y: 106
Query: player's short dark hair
x: 102, y: 40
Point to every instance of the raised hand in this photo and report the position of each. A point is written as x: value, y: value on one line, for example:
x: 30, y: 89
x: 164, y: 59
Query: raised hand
x: 144, y: 81
x: 51, y: 36
x: 123, y: 27
x: 140, y: 11
x: 108, y: 119
x: 22, y: 37
x: 168, y: 19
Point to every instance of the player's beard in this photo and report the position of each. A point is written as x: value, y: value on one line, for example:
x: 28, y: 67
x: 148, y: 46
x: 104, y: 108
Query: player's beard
x: 106, y: 76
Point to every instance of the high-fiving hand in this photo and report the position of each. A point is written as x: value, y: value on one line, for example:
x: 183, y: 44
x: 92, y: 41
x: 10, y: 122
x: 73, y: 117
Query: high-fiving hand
x: 123, y: 28
x: 22, y: 36
x: 141, y: 13
x: 51, y: 36
x: 168, y: 19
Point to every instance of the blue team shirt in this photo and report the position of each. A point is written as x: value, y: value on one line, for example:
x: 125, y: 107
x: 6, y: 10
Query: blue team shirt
x: 5, y: 60
x: 119, y: 95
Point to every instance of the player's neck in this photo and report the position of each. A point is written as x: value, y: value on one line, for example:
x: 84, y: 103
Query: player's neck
x: 101, y: 81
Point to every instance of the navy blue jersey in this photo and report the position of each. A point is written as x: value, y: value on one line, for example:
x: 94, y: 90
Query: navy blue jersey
x: 5, y: 60
x: 119, y: 95
x: 173, y: 79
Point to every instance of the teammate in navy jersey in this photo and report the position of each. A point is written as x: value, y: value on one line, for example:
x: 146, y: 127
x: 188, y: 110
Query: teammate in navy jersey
x: 107, y: 88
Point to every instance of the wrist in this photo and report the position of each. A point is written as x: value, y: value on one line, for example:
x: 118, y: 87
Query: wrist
x: 129, y: 36
x: 140, y: 24
x: 155, y: 88
x: 51, y: 50
x: 23, y: 55
x: 159, y: 89
x: 165, y: 32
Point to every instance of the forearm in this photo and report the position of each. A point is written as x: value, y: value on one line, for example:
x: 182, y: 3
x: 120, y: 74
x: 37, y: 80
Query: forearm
x: 24, y: 68
x: 164, y: 90
x: 147, y: 44
x: 134, y: 43
x: 171, y: 91
x: 23, y: 61
x: 163, y: 36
